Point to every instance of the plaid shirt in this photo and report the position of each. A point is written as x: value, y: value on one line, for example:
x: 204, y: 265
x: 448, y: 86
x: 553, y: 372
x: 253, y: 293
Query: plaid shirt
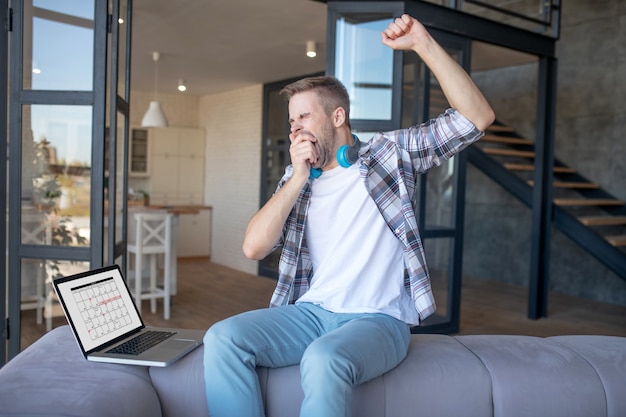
x: 390, y: 164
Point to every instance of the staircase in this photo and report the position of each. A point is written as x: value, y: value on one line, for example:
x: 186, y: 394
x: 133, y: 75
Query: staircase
x: 582, y: 210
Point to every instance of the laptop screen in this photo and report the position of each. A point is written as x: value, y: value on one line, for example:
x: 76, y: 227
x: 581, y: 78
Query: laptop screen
x: 98, y: 306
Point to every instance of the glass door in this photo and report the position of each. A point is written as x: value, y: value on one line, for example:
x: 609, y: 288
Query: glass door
x: 59, y: 108
x: 117, y: 162
x: 275, y: 154
x: 440, y: 192
x: 368, y: 69
x: 392, y: 90
x: 4, y: 82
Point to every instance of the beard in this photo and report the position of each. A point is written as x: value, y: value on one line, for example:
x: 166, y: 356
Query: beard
x: 326, y: 144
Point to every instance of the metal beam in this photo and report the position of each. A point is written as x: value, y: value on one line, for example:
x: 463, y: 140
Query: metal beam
x: 542, y: 191
x: 592, y: 242
x: 500, y: 175
x: 481, y: 29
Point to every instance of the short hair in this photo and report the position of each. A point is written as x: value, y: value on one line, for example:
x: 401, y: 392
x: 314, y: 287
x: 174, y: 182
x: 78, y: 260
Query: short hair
x: 331, y: 91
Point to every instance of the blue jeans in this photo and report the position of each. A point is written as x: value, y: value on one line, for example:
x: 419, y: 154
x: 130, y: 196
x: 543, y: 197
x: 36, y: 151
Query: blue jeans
x: 335, y: 351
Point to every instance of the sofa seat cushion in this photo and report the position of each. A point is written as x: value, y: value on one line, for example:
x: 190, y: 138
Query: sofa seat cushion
x: 52, y: 378
x: 439, y: 377
x: 534, y: 376
x: 181, y: 386
x: 607, y: 356
x: 439, y: 374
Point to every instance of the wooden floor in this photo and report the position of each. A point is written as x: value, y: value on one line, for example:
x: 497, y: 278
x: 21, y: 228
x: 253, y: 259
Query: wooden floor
x: 208, y: 292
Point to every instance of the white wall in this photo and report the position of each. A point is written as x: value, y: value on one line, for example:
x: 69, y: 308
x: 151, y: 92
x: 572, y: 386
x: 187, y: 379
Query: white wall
x: 233, y: 125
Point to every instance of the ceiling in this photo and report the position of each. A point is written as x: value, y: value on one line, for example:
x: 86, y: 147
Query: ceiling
x: 221, y: 45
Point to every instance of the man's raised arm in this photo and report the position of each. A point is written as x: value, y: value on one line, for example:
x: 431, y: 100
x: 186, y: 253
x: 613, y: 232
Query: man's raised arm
x: 406, y: 33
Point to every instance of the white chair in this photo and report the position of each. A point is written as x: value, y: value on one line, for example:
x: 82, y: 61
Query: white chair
x: 35, y: 230
x: 150, y: 235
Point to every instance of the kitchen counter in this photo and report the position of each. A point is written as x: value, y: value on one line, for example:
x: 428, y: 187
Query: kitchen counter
x: 181, y: 209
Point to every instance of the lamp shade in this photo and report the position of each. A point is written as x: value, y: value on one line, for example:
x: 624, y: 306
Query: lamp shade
x: 154, y: 117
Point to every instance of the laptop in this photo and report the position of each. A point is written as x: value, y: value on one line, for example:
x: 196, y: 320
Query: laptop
x: 107, y: 325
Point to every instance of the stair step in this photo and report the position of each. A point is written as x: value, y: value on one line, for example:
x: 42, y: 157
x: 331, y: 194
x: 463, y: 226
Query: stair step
x: 602, y: 220
x: 506, y: 139
x: 499, y: 128
x: 509, y: 152
x: 617, y: 240
x: 587, y: 202
x: 529, y: 167
x: 565, y: 184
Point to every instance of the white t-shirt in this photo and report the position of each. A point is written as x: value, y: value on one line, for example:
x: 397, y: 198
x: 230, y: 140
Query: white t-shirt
x: 358, y: 263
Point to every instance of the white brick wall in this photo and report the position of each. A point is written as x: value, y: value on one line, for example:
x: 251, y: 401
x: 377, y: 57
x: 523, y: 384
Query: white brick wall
x: 233, y: 125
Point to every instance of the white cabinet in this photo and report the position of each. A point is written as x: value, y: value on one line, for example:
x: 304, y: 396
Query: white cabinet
x: 138, y: 158
x: 138, y: 151
x: 176, y: 178
x: 177, y: 166
x: 194, y: 234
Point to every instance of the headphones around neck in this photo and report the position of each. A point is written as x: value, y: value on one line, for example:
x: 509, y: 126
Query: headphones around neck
x: 346, y: 156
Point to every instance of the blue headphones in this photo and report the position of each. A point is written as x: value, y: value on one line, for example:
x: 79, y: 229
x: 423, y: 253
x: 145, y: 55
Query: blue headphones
x: 346, y: 156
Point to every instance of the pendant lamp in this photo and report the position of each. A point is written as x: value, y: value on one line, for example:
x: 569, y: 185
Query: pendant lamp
x: 154, y: 117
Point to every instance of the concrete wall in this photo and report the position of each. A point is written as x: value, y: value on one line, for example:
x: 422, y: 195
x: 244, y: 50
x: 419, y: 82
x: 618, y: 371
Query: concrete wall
x: 590, y: 125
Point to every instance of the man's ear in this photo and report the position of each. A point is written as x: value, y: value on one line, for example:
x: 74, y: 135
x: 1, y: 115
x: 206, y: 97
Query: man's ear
x: 339, y: 116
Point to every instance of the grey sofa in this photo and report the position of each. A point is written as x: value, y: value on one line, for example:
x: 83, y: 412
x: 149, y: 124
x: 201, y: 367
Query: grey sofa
x: 488, y: 375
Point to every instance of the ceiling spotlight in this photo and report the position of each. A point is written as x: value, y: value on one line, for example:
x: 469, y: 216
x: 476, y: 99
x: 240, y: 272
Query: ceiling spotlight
x: 311, y: 49
x: 181, y: 85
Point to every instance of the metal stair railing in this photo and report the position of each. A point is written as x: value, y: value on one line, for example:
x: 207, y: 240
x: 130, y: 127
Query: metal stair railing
x: 580, y: 229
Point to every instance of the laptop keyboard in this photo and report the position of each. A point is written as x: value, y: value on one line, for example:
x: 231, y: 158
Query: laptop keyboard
x: 141, y: 342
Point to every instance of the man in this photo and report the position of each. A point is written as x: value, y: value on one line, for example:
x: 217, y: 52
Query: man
x: 352, y: 272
